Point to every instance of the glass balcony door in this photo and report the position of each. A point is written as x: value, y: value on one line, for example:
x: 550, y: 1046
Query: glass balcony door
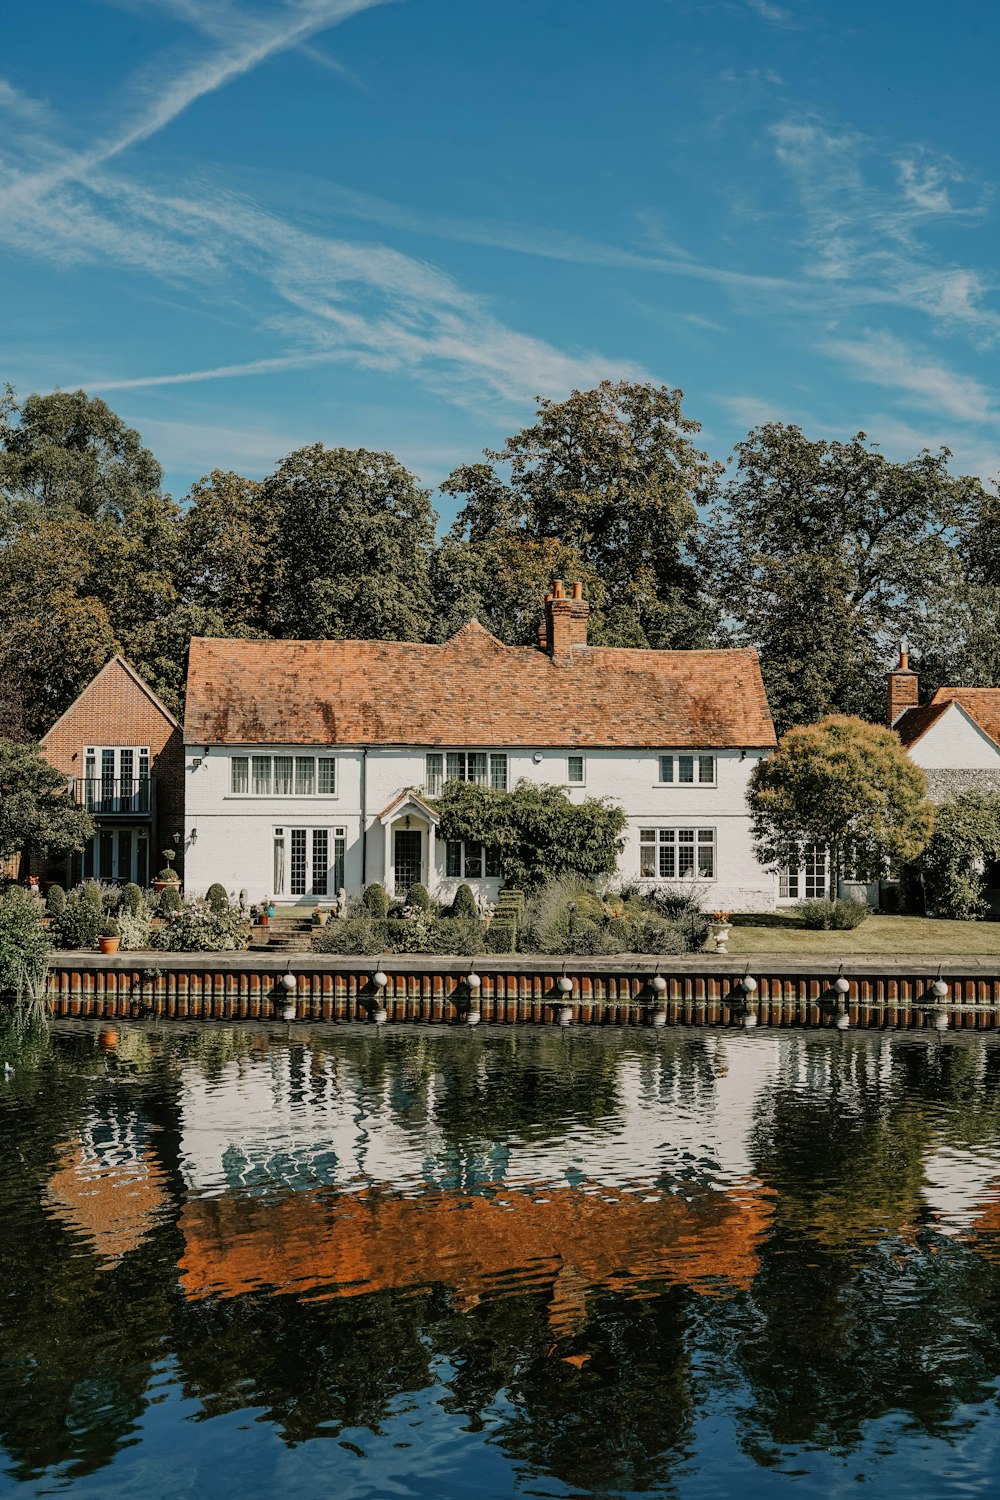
x: 116, y: 779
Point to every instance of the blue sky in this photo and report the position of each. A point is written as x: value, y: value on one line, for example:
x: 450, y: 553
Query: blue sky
x: 391, y: 225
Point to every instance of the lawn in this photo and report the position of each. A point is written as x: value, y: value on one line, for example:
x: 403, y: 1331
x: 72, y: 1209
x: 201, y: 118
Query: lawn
x: 908, y: 936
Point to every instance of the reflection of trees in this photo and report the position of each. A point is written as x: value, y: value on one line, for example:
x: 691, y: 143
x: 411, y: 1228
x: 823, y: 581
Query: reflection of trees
x: 79, y: 1339
x: 608, y: 1409
x: 860, y: 1308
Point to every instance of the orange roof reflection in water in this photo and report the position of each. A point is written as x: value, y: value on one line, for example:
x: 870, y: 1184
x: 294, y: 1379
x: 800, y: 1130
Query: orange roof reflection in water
x: 568, y: 1239
x: 114, y: 1204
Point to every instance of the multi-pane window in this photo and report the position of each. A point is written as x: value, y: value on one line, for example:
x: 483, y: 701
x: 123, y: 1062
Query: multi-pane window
x: 478, y: 766
x: 311, y: 870
x: 815, y: 872
x: 810, y: 880
x: 470, y: 860
x: 671, y: 853
x: 261, y: 775
x: 687, y: 770
x: 282, y: 775
x: 297, y: 866
x: 574, y: 770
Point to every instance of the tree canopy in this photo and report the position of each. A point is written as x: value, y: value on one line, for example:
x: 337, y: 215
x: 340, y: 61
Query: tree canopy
x: 824, y: 554
x: 36, y: 814
x: 614, y: 475
x: 845, y: 785
x: 355, y: 534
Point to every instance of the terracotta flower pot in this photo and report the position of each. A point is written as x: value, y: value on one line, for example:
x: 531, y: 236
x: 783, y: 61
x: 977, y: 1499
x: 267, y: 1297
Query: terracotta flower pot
x: 108, y: 944
x: 163, y: 885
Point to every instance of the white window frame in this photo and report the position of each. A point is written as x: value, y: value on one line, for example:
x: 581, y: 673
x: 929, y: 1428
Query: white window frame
x: 336, y: 860
x: 577, y: 755
x: 246, y: 761
x: 669, y: 847
x: 488, y: 857
x: 495, y: 774
x: 671, y: 762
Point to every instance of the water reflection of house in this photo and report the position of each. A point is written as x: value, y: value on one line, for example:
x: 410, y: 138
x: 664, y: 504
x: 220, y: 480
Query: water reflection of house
x: 565, y: 1240
x: 108, y: 1185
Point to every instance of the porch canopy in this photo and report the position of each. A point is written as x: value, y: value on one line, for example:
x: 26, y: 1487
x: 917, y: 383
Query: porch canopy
x: 410, y: 830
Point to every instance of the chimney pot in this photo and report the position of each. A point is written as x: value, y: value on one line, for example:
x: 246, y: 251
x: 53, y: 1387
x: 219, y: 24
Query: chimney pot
x: 578, y: 591
x: 558, y: 589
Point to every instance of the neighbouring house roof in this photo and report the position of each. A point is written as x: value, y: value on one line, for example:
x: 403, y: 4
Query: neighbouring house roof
x: 114, y: 664
x: 471, y: 690
x: 981, y: 704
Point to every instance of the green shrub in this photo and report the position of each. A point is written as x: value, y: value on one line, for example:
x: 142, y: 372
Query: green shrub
x: 849, y: 914
x: 824, y: 915
x: 217, y: 897
x: 966, y: 836
x: 501, y: 936
x: 465, y: 935
x: 134, y: 929
x: 197, y: 928
x: 419, y: 896
x: 55, y: 900
x: 464, y: 903
x: 24, y: 943
x: 658, y: 935
x: 352, y: 935
x: 133, y: 903
x: 169, y: 901
x: 78, y: 925
x: 376, y: 901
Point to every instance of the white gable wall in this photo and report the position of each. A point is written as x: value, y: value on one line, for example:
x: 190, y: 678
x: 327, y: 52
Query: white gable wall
x: 955, y: 742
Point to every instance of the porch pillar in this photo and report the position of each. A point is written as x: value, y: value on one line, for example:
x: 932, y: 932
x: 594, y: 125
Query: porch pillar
x: 431, y: 847
x: 387, y: 864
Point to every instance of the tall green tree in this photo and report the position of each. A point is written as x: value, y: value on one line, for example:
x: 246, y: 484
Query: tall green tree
x: 229, y: 552
x: 36, y: 814
x: 68, y: 449
x: 823, y: 554
x: 612, y: 474
x: 845, y: 785
x: 355, y: 538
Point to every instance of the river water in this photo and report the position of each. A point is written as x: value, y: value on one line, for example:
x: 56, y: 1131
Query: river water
x: 424, y: 1261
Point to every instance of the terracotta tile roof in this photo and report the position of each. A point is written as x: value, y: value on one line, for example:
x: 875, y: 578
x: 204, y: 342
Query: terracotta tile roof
x: 981, y: 704
x: 472, y: 689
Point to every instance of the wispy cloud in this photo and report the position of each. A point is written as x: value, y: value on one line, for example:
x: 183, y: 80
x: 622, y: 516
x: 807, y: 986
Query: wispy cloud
x: 886, y: 360
x: 862, y: 235
x: 770, y: 12
x: 160, y: 102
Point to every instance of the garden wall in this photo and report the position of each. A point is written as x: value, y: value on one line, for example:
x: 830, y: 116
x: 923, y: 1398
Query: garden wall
x: 699, y: 991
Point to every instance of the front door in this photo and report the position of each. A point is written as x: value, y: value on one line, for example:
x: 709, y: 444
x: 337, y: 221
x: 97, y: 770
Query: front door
x: 407, y: 858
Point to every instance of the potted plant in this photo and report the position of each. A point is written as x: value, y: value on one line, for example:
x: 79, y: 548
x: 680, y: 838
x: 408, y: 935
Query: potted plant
x: 320, y: 916
x: 269, y: 906
x: 720, y: 930
x: 168, y: 875
x: 109, y: 937
x: 261, y: 914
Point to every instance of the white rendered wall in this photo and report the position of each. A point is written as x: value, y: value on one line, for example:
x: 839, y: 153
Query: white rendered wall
x: 229, y: 838
x: 955, y: 743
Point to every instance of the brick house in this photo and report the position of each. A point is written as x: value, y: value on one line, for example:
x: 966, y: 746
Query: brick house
x: 308, y: 763
x: 122, y: 754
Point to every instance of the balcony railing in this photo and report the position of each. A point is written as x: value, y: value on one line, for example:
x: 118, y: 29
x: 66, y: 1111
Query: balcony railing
x: 124, y: 796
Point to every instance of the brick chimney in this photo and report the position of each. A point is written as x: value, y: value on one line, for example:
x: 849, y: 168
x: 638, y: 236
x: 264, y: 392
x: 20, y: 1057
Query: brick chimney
x: 903, y: 686
x: 564, y: 623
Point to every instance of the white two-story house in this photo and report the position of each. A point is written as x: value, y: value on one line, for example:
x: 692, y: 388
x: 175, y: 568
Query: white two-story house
x: 312, y: 765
